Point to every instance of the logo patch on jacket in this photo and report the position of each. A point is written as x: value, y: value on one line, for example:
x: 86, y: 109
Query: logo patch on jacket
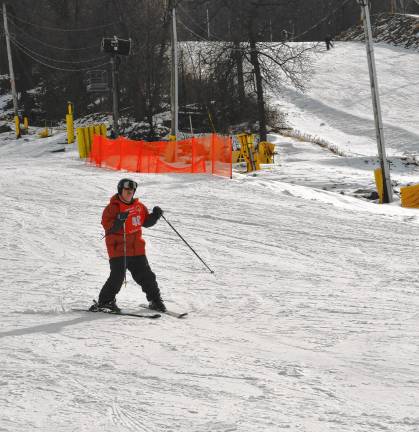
x: 135, y: 218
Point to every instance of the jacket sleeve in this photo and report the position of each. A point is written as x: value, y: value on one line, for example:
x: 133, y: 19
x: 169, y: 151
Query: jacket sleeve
x: 150, y: 219
x: 109, y: 216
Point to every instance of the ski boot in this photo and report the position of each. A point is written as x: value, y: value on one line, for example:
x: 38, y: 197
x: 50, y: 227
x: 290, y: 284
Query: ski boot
x: 109, y: 306
x: 157, y: 305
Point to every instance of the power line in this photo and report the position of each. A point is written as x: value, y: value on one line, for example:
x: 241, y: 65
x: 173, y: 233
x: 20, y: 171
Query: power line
x: 192, y: 32
x: 61, y: 29
x: 213, y: 36
x: 198, y: 24
x: 322, y: 20
x: 50, y: 45
x: 295, y: 37
x: 28, y: 53
x: 203, y: 39
x: 53, y: 59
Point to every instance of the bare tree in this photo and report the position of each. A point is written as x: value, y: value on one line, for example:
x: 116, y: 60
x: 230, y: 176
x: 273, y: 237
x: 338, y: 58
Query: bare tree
x: 146, y: 72
x: 254, y: 66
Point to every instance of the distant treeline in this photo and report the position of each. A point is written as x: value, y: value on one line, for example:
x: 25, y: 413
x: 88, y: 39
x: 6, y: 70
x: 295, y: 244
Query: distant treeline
x: 56, y: 45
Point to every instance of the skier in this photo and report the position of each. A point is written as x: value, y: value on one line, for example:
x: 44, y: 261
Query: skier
x: 328, y: 39
x: 123, y: 219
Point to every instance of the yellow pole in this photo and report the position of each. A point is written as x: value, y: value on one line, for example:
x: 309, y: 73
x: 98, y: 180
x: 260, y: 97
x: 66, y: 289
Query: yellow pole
x: 70, y: 123
x: 26, y: 123
x: 17, y: 126
x: 81, y: 143
x: 171, y: 149
x: 91, y: 131
x: 87, y: 140
x: 378, y: 174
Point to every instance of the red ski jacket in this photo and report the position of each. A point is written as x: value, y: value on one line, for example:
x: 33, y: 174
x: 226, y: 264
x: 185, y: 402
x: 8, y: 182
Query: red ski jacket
x: 138, y: 214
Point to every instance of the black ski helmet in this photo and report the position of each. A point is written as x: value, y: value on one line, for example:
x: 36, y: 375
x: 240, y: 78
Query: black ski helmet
x: 126, y: 183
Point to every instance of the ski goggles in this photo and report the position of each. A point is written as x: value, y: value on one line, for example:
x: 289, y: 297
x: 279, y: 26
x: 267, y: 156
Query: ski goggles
x: 129, y: 184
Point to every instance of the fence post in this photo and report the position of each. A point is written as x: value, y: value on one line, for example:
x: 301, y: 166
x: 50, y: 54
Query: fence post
x: 103, y: 129
x: 17, y: 126
x: 230, y: 143
x: 119, y: 141
x: 70, y: 123
x: 139, y: 157
x: 103, y: 139
x: 86, y: 140
x: 193, y: 142
x: 81, y: 143
x: 212, y: 153
x: 378, y: 174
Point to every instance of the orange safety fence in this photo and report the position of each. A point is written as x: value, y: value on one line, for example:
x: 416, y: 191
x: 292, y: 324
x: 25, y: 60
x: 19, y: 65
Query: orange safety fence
x: 209, y: 154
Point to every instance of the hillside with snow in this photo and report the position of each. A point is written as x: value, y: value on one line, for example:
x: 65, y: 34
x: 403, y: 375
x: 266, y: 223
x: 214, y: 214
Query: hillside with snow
x: 400, y: 30
x: 309, y: 323
x: 337, y: 106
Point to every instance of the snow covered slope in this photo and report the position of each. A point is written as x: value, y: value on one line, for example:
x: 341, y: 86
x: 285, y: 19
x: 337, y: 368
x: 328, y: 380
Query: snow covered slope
x: 338, y: 106
x: 395, y: 29
x: 310, y: 322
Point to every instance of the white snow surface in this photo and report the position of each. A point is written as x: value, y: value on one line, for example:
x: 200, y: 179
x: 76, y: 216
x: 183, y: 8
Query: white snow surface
x: 337, y: 105
x: 310, y: 322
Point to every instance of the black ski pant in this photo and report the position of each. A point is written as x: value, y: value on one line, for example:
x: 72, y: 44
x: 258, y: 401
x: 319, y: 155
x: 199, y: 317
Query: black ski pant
x: 141, y: 273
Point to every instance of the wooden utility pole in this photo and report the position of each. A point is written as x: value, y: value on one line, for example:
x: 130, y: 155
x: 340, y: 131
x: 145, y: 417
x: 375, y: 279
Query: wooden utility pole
x: 254, y: 59
x: 115, y: 94
x: 208, y: 24
x: 393, y: 6
x: 174, y: 78
x: 11, y: 71
x: 116, y: 47
x: 388, y: 191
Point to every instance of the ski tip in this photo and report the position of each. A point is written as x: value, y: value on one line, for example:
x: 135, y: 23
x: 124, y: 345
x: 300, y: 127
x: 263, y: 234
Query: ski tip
x: 168, y: 312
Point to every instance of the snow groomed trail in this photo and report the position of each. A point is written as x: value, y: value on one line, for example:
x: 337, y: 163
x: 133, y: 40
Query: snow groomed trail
x: 310, y: 322
x: 338, y: 107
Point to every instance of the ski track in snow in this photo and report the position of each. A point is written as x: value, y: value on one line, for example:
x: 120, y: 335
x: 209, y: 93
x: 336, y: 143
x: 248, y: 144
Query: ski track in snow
x: 310, y: 322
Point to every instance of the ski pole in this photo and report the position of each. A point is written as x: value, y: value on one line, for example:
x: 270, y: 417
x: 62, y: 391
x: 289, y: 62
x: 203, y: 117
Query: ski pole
x: 187, y: 244
x: 125, y: 257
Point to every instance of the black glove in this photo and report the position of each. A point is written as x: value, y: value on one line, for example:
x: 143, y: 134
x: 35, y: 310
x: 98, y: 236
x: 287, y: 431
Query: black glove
x: 153, y: 217
x: 157, y: 212
x: 119, y: 222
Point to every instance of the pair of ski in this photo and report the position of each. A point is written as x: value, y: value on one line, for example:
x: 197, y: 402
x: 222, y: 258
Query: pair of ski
x: 139, y: 315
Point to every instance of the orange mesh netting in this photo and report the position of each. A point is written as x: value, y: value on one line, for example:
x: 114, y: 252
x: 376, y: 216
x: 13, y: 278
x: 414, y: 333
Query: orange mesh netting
x: 210, y: 154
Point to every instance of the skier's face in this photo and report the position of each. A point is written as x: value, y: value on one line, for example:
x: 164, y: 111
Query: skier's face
x: 127, y: 194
